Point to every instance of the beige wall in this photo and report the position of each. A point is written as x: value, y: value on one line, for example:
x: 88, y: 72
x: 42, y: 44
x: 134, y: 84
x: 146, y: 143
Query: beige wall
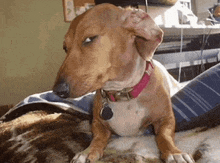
x: 31, y: 36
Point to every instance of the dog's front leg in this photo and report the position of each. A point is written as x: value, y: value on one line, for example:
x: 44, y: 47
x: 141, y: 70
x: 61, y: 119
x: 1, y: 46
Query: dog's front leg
x: 164, y: 130
x: 101, y: 135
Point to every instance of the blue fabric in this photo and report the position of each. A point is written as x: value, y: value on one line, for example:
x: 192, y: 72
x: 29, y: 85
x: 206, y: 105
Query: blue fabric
x: 200, y: 96
x: 83, y: 103
x: 198, y: 103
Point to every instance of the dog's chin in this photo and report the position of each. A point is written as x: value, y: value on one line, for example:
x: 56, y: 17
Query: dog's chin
x: 77, y: 93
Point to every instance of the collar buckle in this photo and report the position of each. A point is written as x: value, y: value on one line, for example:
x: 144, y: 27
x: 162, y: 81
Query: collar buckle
x: 123, y: 95
x: 114, y: 96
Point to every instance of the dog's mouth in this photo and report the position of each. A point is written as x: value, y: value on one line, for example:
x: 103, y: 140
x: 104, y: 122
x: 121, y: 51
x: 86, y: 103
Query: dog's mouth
x: 64, y: 91
x: 74, y: 89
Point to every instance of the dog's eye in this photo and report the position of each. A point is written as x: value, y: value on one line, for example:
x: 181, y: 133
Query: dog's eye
x: 89, y: 40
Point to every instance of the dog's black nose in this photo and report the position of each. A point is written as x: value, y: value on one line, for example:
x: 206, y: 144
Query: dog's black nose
x: 62, y: 89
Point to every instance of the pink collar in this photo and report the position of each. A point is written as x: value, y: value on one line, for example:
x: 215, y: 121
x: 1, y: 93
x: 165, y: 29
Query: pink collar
x: 130, y: 93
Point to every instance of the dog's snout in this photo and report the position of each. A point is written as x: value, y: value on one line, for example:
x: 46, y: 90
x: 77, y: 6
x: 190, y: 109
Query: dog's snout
x: 62, y: 89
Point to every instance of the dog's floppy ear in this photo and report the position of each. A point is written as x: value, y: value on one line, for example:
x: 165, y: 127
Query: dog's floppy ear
x: 148, y: 34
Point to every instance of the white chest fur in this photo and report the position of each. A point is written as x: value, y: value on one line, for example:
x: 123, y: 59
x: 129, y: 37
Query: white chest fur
x: 127, y: 117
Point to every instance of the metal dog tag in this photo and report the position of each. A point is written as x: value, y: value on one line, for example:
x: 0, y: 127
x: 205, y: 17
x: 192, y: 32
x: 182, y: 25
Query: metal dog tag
x: 106, y: 112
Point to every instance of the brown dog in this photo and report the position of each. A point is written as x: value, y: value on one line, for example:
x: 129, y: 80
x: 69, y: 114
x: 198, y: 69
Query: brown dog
x: 110, y: 49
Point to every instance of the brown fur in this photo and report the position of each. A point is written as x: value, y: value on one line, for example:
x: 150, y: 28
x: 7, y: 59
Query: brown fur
x: 124, y: 39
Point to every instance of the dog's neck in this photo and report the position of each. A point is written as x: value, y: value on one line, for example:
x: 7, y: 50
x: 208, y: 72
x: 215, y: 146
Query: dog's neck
x: 128, y: 93
x: 135, y: 76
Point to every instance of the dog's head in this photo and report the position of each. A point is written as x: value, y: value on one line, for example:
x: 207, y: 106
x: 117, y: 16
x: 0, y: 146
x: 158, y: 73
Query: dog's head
x: 100, y: 44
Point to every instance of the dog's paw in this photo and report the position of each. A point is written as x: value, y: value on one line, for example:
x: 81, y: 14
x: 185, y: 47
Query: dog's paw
x: 90, y: 155
x: 180, y: 158
x: 80, y: 158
